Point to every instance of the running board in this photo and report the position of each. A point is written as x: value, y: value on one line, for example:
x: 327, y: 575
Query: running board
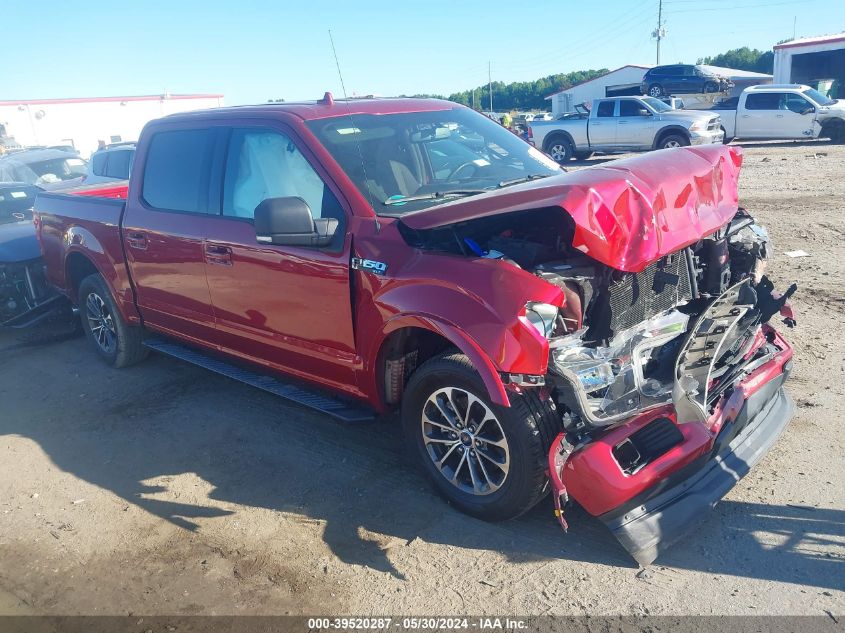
x: 346, y: 411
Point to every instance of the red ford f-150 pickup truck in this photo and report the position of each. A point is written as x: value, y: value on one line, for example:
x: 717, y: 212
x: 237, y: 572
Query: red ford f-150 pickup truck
x: 601, y: 334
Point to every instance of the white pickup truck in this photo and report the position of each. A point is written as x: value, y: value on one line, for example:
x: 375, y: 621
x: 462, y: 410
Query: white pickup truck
x: 624, y: 124
x: 789, y: 111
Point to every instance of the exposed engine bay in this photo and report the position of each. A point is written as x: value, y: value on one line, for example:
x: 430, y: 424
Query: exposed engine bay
x: 684, y: 329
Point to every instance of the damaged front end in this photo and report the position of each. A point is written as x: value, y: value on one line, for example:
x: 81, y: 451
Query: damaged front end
x: 662, y: 365
x: 663, y: 417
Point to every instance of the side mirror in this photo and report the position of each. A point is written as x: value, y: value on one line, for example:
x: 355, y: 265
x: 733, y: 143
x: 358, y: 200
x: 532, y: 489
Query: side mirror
x: 643, y: 112
x: 808, y: 110
x: 288, y: 222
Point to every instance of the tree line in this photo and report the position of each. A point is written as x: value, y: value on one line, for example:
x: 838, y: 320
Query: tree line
x: 531, y: 95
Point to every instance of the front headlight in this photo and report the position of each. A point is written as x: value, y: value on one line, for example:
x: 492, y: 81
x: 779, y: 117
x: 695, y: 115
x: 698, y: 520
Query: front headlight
x: 542, y: 316
x: 698, y: 126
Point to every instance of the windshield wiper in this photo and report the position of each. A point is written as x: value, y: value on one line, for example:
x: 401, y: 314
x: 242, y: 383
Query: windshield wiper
x: 516, y: 181
x: 437, y: 195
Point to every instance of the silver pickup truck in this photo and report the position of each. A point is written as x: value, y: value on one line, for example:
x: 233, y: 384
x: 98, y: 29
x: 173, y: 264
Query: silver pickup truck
x: 624, y: 124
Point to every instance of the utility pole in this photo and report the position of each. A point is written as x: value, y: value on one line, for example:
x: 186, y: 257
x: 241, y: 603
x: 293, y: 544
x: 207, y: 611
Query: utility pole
x: 490, y: 84
x: 659, y: 33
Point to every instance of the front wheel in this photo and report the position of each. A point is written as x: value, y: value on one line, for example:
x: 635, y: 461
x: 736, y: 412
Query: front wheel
x: 655, y: 90
x: 673, y: 140
x: 487, y: 460
x: 711, y: 87
x: 116, y: 342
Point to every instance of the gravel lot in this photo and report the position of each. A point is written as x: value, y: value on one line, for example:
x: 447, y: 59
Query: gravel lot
x: 164, y: 489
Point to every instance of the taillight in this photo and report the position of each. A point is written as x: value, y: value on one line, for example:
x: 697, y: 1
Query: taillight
x: 530, y: 132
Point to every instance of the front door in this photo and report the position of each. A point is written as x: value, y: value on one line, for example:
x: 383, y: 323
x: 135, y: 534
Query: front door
x: 163, y: 233
x: 286, y: 306
x: 635, y: 125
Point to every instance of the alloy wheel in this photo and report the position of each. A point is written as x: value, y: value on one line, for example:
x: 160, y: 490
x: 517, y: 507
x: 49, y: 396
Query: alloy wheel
x: 670, y: 144
x: 465, y: 441
x: 101, y: 322
x: 559, y: 152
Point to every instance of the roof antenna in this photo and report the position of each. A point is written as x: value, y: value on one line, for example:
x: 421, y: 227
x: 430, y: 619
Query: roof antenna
x: 327, y: 99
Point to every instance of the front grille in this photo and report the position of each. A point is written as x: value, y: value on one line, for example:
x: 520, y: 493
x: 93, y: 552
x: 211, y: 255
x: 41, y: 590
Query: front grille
x: 635, y: 297
x: 714, y: 125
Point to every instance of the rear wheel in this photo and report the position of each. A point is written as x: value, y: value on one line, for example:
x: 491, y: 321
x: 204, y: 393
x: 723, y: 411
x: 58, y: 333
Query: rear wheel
x: 489, y: 461
x: 673, y: 140
x: 560, y: 149
x: 655, y: 90
x: 116, y: 342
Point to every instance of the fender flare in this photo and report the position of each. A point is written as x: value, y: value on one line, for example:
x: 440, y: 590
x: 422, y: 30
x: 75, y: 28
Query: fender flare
x: 547, y: 140
x: 80, y: 241
x: 480, y: 360
x: 669, y: 129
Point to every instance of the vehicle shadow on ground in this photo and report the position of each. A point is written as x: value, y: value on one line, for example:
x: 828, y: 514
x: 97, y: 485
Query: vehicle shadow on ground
x: 161, y: 419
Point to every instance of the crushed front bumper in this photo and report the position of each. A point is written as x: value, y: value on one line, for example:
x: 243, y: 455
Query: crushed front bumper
x: 647, y: 528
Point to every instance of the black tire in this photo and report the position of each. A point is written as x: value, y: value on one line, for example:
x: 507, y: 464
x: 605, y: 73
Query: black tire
x: 673, y: 140
x: 560, y: 149
x: 116, y: 342
x: 835, y: 131
x: 656, y: 90
x: 527, y: 427
x: 725, y: 138
x: 583, y: 155
x: 711, y: 87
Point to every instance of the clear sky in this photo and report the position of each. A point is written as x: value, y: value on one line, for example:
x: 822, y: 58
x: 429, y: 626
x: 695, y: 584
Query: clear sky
x: 253, y: 50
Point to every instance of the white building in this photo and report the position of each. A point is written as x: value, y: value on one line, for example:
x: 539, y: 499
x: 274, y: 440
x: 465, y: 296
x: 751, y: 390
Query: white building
x: 85, y: 121
x: 812, y: 60
x: 622, y: 81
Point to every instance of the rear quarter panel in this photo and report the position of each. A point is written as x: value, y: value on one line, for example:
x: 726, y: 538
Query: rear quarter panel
x: 67, y: 225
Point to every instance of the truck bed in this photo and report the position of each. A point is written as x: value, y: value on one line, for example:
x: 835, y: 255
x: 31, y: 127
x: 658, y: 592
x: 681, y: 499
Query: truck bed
x: 68, y: 224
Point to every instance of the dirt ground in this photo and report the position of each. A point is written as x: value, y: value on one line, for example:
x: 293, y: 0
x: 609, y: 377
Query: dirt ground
x: 164, y: 489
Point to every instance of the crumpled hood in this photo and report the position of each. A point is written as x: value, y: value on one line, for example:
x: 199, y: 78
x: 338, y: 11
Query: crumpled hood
x: 18, y: 242
x: 628, y: 213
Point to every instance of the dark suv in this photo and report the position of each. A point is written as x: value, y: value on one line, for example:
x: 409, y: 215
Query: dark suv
x: 682, y: 79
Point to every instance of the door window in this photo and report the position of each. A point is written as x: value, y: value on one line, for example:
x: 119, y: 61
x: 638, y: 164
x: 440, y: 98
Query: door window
x: 176, y: 173
x: 605, y: 109
x: 763, y: 101
x: 264, y: 164
x: 631, y: 108
x: 794, y: 103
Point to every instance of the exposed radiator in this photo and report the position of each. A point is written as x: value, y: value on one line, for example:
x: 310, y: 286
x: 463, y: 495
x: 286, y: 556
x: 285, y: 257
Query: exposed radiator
x: 636, y: 297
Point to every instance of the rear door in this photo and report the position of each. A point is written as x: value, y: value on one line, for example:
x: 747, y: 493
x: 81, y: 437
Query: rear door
x: 287, y: 306
x: 163, y: 230
x: 602, y: 127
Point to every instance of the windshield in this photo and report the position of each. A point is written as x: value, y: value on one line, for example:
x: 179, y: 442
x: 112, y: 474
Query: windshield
x: 16, y: 203
x: 656, y: 104
x: 426, y: 155
x: 43, y: 172
x: 818, y: 97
